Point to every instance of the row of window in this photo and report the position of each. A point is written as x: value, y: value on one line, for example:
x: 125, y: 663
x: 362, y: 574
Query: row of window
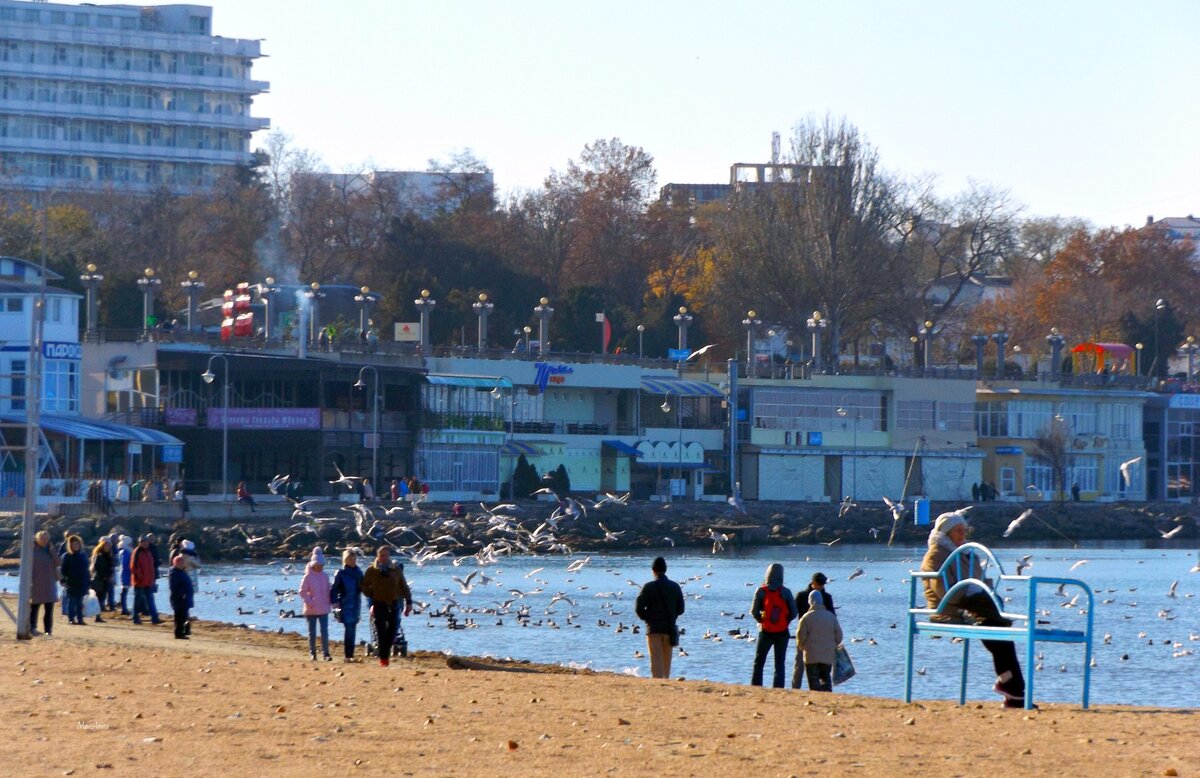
x: 820, y: 410
x: 104, y: 171
x: 60, y: 386
x: 36, y: 16
x: 124, y: 96
x: 123, y: 133
x: 124, y: 60
x: 1083, y: 471
x: 58, y: 310
x: 934, y: 414
x: 1032, y: 418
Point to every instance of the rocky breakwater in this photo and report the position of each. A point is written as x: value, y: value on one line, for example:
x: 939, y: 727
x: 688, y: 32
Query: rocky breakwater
x: 531, y: 527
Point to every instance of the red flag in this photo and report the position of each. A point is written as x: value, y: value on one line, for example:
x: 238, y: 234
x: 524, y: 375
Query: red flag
x: 607, y: 333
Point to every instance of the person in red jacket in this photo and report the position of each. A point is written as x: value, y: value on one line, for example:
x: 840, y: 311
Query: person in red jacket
x: 142, y: 574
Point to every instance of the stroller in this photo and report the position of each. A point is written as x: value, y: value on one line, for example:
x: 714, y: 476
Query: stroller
x: 399, y: 644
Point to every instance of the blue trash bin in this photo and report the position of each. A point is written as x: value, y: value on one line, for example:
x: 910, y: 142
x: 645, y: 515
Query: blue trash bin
x: 921, y: 512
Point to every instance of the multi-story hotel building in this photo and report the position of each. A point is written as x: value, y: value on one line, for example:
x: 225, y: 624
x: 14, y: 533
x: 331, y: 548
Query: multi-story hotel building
x: 132, y: 98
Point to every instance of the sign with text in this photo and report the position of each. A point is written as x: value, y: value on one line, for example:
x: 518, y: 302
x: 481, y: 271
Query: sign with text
x: 172, y: 454
x: 62, y: 351
x: 550, y: 374
x: 677, y: 354
x: 265, y: 418
x: 408, y: 331
x: 180, y: 417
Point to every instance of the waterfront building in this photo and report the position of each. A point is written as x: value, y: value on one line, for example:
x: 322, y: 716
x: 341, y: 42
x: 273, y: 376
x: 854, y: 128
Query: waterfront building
x: 123, y: 97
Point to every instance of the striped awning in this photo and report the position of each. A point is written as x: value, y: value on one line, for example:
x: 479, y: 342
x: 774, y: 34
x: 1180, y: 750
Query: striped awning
x: 680, y: 387
x: 516, y: 448
x: 470, y: 381
x: 94, y: 429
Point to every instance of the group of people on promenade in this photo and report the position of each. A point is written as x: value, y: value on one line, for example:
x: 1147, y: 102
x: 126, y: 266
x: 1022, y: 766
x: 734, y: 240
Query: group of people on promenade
x: 115, y: 559
x: 140, y: 490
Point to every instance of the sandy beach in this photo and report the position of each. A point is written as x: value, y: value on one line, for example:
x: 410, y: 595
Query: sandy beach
x: 115, y: 699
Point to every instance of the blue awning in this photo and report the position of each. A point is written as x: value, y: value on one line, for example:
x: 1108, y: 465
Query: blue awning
x: 621, y: 447
x: 516, y: 448
x: 470, y: 381
x: 679, y: 465
x: 94, y: 429
x: 680, y: 387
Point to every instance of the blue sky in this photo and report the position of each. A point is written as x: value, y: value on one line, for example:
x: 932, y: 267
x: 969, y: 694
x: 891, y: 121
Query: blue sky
x: 1078, y: 108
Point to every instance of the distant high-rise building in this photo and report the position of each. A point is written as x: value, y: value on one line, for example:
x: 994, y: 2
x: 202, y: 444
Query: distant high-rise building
x: 123, y: 97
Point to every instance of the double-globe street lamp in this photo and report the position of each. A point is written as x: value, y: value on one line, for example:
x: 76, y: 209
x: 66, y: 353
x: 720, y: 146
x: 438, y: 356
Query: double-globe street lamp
x: 512, y: 411
x: 361, y: 384
x: 208, y: 375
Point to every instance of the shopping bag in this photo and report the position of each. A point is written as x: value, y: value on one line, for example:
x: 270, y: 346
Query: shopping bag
x: 91, y: 605
x: 843, y: 668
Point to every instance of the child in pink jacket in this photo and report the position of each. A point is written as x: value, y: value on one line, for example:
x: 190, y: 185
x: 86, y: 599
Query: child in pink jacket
x: 314, y: 592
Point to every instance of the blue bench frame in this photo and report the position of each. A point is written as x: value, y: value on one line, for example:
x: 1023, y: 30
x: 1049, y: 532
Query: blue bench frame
x: 1025, y: 627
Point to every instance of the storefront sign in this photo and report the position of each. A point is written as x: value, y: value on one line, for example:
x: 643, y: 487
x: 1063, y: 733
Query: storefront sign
x: 1009, y: 450
x: 180, y: 417
x: 550, y: 374
x: 265, y: 418
x: 62, y: 351
x: 172, y: 454
x: 1185, y: 401
x: 815, y: 438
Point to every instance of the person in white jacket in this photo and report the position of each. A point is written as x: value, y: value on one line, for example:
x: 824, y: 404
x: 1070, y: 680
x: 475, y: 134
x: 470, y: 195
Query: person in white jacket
x: 818, y: 637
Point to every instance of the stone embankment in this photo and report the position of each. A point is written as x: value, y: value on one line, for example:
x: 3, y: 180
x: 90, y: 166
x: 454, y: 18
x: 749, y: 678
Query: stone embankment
x: 273, y: 531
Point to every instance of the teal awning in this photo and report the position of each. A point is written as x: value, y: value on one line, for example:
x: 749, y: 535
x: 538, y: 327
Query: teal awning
x: 680, y: 387
x: 93, y: 429
x: 621, y: 447
x: 470, y: 381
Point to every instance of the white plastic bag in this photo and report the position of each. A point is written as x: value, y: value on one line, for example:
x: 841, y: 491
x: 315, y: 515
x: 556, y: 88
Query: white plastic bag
x: 91, y: 605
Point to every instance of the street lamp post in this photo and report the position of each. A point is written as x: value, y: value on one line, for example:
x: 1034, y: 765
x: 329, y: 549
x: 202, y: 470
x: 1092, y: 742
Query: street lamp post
x: 1001, y: 337
x: 1190, y: 346
x: 1137, y: 359
x: 366, y: 300
x: 980, y: 342
x: 843, y: 412
x: 425, y: 305
x: 314, y: 295
x: 483, y: 309
x: 361, y: 384
x: 269, y: 293
x: 91, y: 283
x: 512, y: 411
x: 149, y: 285
x: 208, y: 375
x: 683, y: 320
x: 927, y: 334
x: 641, y: 328
x: 1056, y: 341
x: 1160, y: 305
x: 751, y: 323
x: 193, y: 286
x: 816, y: 323
x: 544, y: 312
x: 526, y: 331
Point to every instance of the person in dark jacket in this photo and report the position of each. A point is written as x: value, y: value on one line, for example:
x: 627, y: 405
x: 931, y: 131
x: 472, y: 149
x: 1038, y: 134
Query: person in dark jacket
x: 773, y: 608
x: 385, y: 585
x: 660, y: 604
x: 103, y: 566
x: 46, y: 575
x: 182, y: 595
x: 75, y: 578
x: 818, y: 585
x: 143, y: 574
x: 345, y: 594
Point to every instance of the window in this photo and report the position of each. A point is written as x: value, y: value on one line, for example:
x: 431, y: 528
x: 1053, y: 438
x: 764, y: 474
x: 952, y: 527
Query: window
x: 16, y: 383
x: 56, y: 309
x: 1008, y: 480
x: 62, y: 385
x: 13, y: 304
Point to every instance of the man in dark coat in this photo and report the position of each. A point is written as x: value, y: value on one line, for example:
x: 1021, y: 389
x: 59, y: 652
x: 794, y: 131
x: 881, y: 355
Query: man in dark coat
x: 818, y: 585
x: 659, y: 604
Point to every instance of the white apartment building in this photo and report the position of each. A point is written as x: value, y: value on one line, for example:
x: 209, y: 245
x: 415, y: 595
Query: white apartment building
x: 124, y: 97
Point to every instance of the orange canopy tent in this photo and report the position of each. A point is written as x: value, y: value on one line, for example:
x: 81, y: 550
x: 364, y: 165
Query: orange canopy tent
x: 1103, y: 357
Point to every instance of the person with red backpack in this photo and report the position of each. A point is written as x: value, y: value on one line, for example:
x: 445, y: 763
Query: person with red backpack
x: 774, y: 609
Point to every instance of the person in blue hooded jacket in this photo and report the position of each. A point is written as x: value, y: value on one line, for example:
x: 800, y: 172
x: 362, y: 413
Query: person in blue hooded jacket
x: 347, y: 586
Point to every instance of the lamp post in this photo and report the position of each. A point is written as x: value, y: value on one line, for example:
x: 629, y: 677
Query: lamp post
x: 314, y: 295
x: 91, y: 283
x: 483, y: 309
x: 1190, y: 346
x: 927, y: 334
x: 361, y: 384
x: 1160, y: 305
x: 641, y: 328
x: 269, y: 293
x: 751, y: 323
x: 193, y: 286
x: 683, y: 320
x: 149, y: 284
x: 1001, y: 337
x: 1055, y: 340
x: 425, y: 305
x: 366, y: 300
x: 842, y: 412
x: 913, y: 340
x: 980, y: 342
x: 543, y: 312
x: 208, y: 375
x: 527, y: 330
x: 512, y: 411
x: 816, y: 323
x: 1137, y: 359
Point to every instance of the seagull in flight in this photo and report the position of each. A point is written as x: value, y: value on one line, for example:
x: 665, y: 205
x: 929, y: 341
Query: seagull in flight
x: 896, y: 507
x: 277, y: 483
x: 735, y: 500
x: 1080, y: 563
x: 846, y: 505
x: 1126, y: 470
x: 346, y: 480
x: 719, y: 539
x: 700, y: 352
x: 1171, y: 532
x: 1012, y: 527
x: 857, y: 572
x: 1024, y: 563
x: 465, y: 586
x: 609, y: 535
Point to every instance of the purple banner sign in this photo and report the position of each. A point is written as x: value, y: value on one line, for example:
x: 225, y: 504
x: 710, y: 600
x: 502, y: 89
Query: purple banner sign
x: 266, y: 418
x: 180, y: 417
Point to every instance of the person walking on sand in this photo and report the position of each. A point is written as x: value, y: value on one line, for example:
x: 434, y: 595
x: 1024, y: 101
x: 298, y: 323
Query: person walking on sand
x: 347, y: 587
x: 384, y: 584
x: 182, y: 596
x: 819, y: 580
x: 75, y: 578
x: 660, y: 604
x: 103, y: 566
x: 125, y: 558
x: 774, y: 608
x: 44, y: 591
x: 817, y: 639
x: 948, y: 533
x: 314, y: 593
x: 142, y: 574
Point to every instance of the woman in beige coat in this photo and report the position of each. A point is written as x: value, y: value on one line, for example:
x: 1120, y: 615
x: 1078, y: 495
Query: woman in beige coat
x: 818, y: 637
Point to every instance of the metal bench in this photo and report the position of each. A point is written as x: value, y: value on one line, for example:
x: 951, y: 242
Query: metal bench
x: 1026, y: 628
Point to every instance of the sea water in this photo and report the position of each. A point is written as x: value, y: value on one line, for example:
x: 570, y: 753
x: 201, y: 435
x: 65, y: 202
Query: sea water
x: 1150, y: 659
